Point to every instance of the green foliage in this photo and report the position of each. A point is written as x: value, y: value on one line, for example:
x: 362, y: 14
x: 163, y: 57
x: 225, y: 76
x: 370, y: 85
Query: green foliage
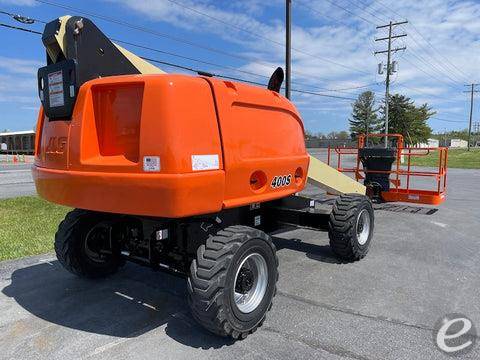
x: 457, y: 158
x: 407, y: 119
x: 454, y: 134
x: 364, y: 115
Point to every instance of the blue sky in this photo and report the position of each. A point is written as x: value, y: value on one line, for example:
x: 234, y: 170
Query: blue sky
x: 333, y: 45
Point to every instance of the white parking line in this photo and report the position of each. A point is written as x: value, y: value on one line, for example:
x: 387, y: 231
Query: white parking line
x: 442, y: 225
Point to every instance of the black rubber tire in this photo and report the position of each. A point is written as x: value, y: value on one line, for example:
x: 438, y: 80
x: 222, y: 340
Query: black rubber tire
x: 342, y: 226
x: 70, y: 249
x: 212, y: 275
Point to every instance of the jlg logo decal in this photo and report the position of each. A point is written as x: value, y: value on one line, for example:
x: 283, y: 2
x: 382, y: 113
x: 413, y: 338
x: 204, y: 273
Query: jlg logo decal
x: 56, y: 145
x: 280, y: 181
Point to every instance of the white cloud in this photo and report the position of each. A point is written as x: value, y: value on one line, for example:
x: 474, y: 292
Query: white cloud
x: 18, y: 82
x: 20, y: 66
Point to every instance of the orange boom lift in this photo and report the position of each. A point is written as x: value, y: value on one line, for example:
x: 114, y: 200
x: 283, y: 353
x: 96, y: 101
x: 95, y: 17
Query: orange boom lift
x: 186, y: 174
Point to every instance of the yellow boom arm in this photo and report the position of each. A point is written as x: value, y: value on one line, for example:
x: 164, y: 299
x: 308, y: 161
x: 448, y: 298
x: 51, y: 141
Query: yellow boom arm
x: 331, y: 180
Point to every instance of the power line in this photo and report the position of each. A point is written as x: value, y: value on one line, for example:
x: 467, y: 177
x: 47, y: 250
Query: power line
x: 428, y: 74
x: 342, y: 90
x: 261, y: 36
x: 434, y: 65
x: 185, y: 57
x: 22, y: 19
x: 428, y: 63
x: 202, y: 72
x: 152, y: 32
x: 20, y: 28
x: 448, y: 120
x: 422, y: 92
x: 439, y: 54
x: 120, y: 22
x: 424, y: 38
x: 349, y: 11
x: 366, y: 11
x: 191, y: 43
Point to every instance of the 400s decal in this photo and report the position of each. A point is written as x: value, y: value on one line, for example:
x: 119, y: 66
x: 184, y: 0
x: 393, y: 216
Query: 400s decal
x: 280, y: 181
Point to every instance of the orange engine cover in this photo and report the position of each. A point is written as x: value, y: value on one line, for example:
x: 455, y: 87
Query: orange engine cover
x: 170, y: 146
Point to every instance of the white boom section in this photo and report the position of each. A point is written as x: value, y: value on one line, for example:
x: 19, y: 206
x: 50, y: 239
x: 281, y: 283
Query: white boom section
x: 331, y: 180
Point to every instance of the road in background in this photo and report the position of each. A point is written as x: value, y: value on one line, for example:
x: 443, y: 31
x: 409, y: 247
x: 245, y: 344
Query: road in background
x: 16, y: 180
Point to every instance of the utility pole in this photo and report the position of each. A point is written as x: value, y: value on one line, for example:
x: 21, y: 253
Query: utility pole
x: 472, y: 91
x: 288, y: 47
x: 389, y: 68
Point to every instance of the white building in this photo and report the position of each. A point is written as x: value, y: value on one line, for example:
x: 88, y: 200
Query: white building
x: 18, y: 142
x: 458, y: 143
x: 431, y: 143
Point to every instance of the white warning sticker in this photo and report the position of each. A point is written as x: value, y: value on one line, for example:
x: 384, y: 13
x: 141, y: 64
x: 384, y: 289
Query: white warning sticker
x: 55, y: 89
x: 205, y: 162
x: 151, y: 163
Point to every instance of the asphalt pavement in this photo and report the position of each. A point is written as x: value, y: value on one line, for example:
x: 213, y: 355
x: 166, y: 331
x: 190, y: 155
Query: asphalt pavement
x: 16, y: 180
x: 419, y: 268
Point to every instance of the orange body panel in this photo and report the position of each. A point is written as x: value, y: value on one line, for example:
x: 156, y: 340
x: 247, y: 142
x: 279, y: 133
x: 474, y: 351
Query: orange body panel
x: 218, y: 145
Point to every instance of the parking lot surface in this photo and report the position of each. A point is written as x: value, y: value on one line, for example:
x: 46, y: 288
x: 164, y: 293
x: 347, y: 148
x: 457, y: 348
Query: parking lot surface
x: 419, y: 268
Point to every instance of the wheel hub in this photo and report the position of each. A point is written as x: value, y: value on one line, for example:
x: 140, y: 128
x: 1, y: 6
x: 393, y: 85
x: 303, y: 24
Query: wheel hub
x: 363, y: 227
x: 97, y: 243
x: 251, y: 283
x: 244, y: 281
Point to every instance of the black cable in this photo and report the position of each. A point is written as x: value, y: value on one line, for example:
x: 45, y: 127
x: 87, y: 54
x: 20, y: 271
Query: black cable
x: 231, y: 68
x: 188, y: 42
x: 20, y: 28
x: 240, y: 79
x: 199, y: 71
x: 264, y: 37
x: 365, y: 11
x: 206, y: 62
x: 338, y: 6
x: 184, y: 57
x: 447, y: 120
x: 445, y: 70
x: 429, y: 74
x: 22, y: 19
x: 453, y: 66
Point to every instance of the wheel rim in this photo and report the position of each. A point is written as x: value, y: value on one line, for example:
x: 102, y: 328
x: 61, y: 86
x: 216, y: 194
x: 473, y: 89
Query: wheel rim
x: 95, y: 242
x: 251, y: 282
x: 363, y: 227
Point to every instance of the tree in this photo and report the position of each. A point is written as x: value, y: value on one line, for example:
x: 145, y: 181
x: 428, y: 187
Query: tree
x: 407, y: 119
x: 308, y: 134
x: 364, y: 115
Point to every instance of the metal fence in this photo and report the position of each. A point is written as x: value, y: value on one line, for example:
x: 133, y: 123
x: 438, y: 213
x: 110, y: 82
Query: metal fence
x: 325, y: 143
